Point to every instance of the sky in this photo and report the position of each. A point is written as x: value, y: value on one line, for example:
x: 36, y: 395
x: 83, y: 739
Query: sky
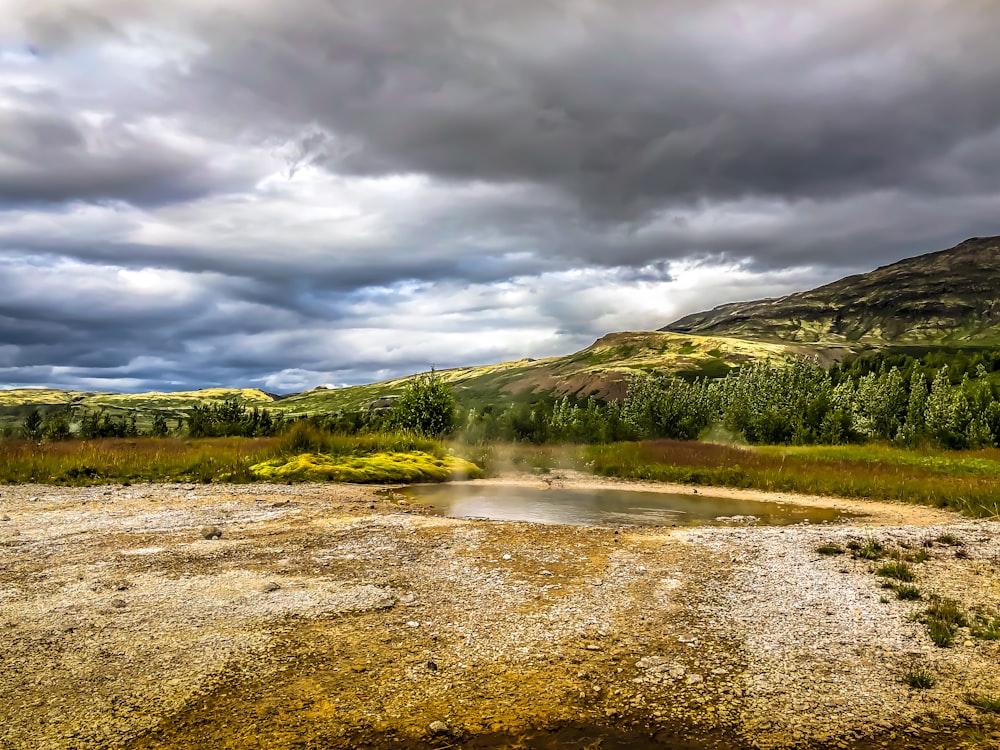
x: 290, y: 193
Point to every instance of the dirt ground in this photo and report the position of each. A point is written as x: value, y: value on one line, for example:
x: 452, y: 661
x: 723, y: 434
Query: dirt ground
x: 330, y: 616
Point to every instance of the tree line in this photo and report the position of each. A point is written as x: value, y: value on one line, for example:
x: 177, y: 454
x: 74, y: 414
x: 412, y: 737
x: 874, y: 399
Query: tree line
x: 795, y: 402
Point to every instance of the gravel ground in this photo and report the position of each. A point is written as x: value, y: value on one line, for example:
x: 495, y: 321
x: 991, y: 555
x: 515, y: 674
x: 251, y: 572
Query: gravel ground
x: 327, y: 616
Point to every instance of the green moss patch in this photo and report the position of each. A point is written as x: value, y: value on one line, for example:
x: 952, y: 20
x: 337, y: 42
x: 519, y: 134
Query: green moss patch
x: 376, y: 468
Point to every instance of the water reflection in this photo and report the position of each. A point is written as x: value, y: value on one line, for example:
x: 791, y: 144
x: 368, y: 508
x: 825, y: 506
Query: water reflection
x: 607, y: 507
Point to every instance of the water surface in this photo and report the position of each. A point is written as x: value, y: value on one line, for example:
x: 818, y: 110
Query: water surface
x: 608, y: 507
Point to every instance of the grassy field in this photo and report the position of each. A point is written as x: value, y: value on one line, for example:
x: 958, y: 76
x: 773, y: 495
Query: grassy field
x: 967, y: 482
x: 302, y: 455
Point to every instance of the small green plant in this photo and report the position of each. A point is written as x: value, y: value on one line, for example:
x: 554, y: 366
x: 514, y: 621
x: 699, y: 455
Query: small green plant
x: 987, y: 703
x: 947, y: 610
x: 830, y: 549
x: 948, y: 540
x: 943, y: 618
x: 941, y: 633
x: 870, y: 549
x: 901, y: 571
x: 985, y: 626
x: 919, y: 679
x: 920, y: 556
x: 907, y: 592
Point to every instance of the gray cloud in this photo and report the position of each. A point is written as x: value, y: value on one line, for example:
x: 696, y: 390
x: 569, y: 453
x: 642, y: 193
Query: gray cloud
x: 622, y: 106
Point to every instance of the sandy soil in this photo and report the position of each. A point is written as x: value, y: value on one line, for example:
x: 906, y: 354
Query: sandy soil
x: 328, y: 616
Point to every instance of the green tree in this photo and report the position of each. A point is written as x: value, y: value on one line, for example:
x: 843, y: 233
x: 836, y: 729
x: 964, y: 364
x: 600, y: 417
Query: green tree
x: 31, y: 428
x: 427, y: 406
x: 56, y: 427
x: 914, y: 429
x: 159, y: 428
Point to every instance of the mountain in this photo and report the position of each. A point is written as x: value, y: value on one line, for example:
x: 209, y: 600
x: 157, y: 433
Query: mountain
x: 948, y: 298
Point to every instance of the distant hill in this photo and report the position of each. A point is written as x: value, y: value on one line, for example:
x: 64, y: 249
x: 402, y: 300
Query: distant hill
x: 601, y: 370
x: 948, y: 298
x: 15, y: 404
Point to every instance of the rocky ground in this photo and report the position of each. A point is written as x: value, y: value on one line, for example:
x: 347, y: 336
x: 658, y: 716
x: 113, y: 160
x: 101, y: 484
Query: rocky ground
x: 309, y: 616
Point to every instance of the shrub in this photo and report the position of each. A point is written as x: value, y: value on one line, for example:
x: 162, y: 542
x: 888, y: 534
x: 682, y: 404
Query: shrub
x: 426, y: 407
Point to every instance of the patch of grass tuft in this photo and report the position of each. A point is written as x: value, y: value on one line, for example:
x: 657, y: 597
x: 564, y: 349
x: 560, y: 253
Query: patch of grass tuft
x: 870, y: 549
x: 830, y: 549
x: 948, y: 540
x: 920, y: 556
x: 985, y: 626
x: 901, y: 571
x: 907, y: 592
x: 941, y: 633
x: 987, y: 703
x: 943, y: 618
x: 919, y: 679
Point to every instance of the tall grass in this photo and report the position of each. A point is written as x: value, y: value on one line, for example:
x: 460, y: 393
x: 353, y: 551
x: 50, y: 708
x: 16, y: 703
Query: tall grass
x: 88, y: 462
x: 877, y: 473
x: 84, y: 462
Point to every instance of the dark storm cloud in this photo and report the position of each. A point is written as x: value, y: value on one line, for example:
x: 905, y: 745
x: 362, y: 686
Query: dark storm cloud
x: 624, y: 105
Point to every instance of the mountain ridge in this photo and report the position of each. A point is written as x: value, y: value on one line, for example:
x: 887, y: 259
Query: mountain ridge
x: 948, y: 297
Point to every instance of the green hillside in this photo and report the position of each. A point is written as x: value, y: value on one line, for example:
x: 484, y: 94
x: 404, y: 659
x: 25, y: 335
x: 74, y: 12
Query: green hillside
x: 948, y: 298
x: 601, y: 370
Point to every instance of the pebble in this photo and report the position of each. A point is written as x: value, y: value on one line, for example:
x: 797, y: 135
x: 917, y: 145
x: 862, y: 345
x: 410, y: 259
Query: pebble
x: 211, y: 532
x: 438, y: 727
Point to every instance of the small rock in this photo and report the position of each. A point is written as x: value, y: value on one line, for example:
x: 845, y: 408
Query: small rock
x: 506, y: 557
x: 270, y: 586
x: 438, y: 727
x: 4, y: 518
x: 211, y: 532
x: 432, y: 666
x: 118, y: 603
x: 413, y: 624
x: 693, y: 679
